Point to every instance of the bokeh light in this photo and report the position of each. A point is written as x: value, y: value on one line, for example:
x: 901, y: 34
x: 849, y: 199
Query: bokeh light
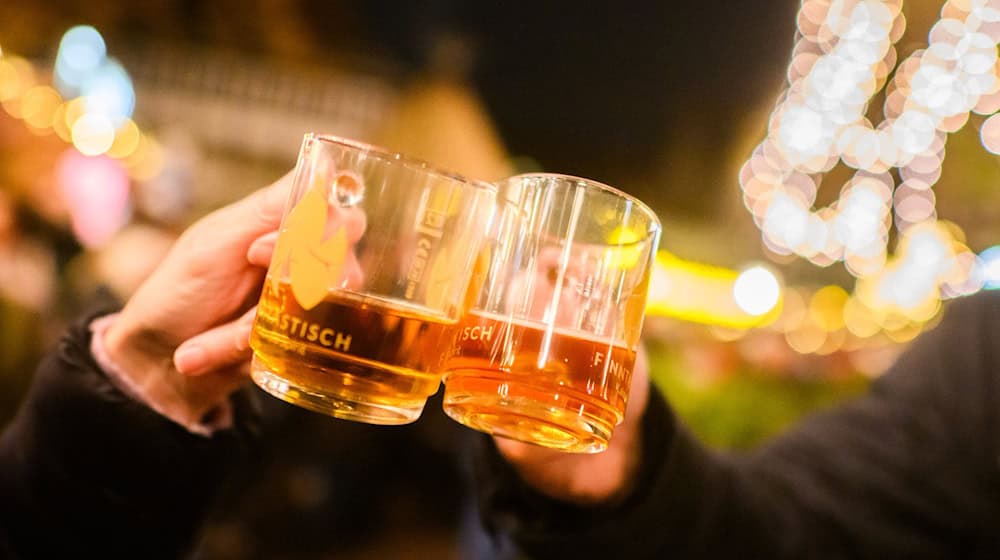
x: 96, y: 190
x: 990, y: 267
x: 826, y: 307
x: 989, y: 134
x: 756, y: 290
x: 859, y: 319
x: 38, y: 107
x: 807, y: 338
x: 66, y: 116
x: 17, y: 76
x: 81, y: 52
x: 108, y: 91
x: 843, y: 56
x: 96, y: 122
x: 126, y: 140
x: 93, y: 134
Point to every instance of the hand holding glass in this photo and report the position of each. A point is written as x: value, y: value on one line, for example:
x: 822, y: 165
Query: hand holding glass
x: 546, y: 354
x: 367, y: 281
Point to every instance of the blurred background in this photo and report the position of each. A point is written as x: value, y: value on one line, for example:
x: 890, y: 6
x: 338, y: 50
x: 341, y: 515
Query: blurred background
x: 795, y: 152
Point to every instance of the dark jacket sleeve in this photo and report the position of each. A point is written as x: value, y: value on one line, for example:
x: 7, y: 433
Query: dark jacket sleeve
x: 908, y: 471
x: 86, y: 472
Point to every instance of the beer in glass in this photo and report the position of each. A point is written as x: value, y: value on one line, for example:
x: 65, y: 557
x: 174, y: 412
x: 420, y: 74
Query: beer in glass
x: 367, y: 282
x: 545, y: 354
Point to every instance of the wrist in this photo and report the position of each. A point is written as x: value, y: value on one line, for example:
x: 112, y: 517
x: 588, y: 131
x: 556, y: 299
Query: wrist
x: 139, y: 355
x: 602, y: 479
x: 610, y: 480
x: 140, y: 362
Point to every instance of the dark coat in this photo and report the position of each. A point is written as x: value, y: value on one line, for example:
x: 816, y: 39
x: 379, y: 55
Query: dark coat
x: 911, y: 470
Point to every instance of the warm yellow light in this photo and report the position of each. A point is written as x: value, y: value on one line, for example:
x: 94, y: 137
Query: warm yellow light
x: 807, y: 338
x: 39, y: 105
x: 626, y: 248
x: 69, y: 113
x: 904, y: 333
x: 794, y: 311
x: 93, y: 134
x: 859, y: 320
x: 700, y: 293
x: 127, y: 139
x: 890, y: 319
x: 17, y: 75
x: 925, y: 310
x: 59, y: 124
x: 826, y: 307
x: 833, y: 341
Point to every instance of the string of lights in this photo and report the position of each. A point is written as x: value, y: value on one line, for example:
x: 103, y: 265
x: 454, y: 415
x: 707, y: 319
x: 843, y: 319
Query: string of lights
x: 842, y: 58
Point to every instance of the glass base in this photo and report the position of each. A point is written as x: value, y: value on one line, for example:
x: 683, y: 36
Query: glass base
x: 340, y: 406
x: 526, y: 413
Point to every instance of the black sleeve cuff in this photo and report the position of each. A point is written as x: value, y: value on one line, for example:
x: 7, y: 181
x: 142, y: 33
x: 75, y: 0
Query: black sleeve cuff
x: 544, y: 527
x: 103, y: 473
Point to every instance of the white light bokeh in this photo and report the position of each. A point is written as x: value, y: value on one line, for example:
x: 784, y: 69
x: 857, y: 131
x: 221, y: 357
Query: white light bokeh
x: 756, y: 290
x: 81, y: 52
x: 989, y: 134
x: 93, y: 134
x: 108, y: 91
x: 843, y: 57
x: 990, y: 267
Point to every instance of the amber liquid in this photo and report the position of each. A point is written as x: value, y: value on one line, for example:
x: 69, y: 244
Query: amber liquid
x: 351, y: 356
x: 549, y: 387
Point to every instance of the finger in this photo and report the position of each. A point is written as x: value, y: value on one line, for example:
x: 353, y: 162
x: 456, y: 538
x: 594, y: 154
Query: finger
x: 353, y: 276
x: 216, y: 348
x: 255, y: 215
x: 260, y: 251
x: 263, y: 208
x: 354, y: 221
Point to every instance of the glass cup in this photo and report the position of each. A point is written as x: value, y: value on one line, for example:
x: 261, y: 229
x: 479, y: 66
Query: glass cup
x: 545, y: 354
x: 367, y: 282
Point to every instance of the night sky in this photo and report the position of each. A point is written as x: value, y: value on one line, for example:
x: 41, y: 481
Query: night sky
x: 653, y: 97
x: 663, y: 99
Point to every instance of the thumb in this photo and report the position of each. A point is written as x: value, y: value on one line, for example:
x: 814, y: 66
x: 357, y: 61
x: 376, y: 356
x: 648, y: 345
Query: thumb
x: 216, y: 348
x: 260, y: 251
x: 252, y: 216
x: 263, y: 207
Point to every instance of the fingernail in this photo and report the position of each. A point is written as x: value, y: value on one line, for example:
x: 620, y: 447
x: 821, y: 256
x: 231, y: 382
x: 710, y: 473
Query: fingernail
x: 255, y: 252
x: 190, y: 360
x: 261, y: 249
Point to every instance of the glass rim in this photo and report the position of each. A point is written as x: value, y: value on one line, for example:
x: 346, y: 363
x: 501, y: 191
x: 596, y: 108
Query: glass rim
x: 409, y: 161
x: 645, y: 208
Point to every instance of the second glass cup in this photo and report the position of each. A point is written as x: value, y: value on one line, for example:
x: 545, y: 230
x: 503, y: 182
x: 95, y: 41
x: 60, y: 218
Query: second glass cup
x: 546, y: 353
x: 366, y: 285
